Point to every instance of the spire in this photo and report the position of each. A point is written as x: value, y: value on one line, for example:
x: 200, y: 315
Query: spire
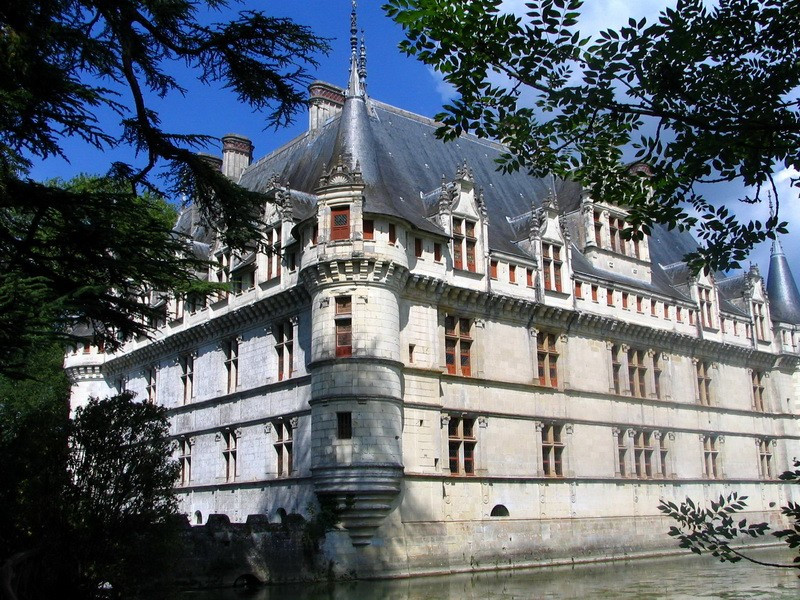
x: 784, y: 299
x: 355, y: 87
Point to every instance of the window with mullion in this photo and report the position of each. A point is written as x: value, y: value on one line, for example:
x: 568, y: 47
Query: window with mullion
x: 185, y: 461
x: 643, y: 454
x: 547, y: 359
x: 283, y: 447
x: 344, y: 326
x: 552, y: 451
x: 284, y: 347
x: 458, y: 345
x: 758, y: 390
x: 229, y: 453
x: 637, y: 373
x: 711, y: 456
x: 703, y: 382
x: 765, y: 459
x: 461, y: 445
x: 232, y: 365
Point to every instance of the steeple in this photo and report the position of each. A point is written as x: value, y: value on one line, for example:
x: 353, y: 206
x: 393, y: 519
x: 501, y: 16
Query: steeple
x: 784, y: 299
x: 356, y: 86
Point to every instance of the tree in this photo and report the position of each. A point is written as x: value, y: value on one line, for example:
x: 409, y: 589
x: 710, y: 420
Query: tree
x: 705, y: 94
x: 714, y: 529
x: 72, y: 254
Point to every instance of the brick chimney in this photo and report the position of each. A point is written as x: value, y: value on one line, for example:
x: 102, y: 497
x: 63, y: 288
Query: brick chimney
x: 324, y: 102
x: 237, y: 154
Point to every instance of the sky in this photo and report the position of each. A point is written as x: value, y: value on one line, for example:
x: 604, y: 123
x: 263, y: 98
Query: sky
x: 392, y: 78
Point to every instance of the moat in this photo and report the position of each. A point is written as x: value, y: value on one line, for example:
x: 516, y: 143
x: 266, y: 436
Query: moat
x: 682, y: 577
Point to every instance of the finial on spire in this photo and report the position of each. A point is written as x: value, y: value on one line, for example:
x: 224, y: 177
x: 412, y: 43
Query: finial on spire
x: 358, y: 65
x: 362, y: 61
x: 354, y: 29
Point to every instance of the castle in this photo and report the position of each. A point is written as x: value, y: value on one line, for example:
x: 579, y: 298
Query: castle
x: 475, y: 368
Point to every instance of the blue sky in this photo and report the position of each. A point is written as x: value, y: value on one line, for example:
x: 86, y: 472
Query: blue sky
x: 392, y: 78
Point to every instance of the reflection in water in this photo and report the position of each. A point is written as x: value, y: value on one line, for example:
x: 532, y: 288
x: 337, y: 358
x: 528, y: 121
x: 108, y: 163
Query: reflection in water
x: 681, y: 578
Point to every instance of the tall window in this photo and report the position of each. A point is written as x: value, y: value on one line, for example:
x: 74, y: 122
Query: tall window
x: 552, y: 451
x: 594, y: 293
x: 658, y: 369
x: 622, y: 452
x: 284, y: 348
x: 185, y: 460
x: 625, y: 300
x: 765, y: 458
x: 344, y: 425
x: 418, y: 247
x: 711, y: 456
x: 284, y: 435
x: 464, y: 242
x: 437, y: 252
x: 703, y: 371
x: 547, y: 359
x: 643, y: 454
x: 461, y: 443
x: 512, y: 273
x: 222, y: 270
x: 598, y: 229
x: 758, y: 390
x: 529, y: 277
x: 706, y: 314
x: 392, y: 234
x: 493, y: 269
x: 616, y: 368
x: 274, y: 255
x: 551, y: 266
x: 759, y: 320
x: 151, y: 374
x: 369, y: 229
x: 344, y: 326
x: 615, y: 227
x: 232, y: 365
x: 230, y: 442
x: 187, y: 377
x: 610, y: 297
x: 457, y: 345
x: 340, y: 223
x: 663, y: 452
x: 637, y: 373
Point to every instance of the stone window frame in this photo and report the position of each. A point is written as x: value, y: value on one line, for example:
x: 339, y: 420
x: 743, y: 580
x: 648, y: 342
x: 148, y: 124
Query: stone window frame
x: 704, y: 382
x: 283, y: 444
x: 368, y: 227
x: 151, y: 383
x: 553, y: 256
x: 712, y: 456
x: 230, y: 351
x: 766, y: 457
x: 548, y: 356
x: 461, y: 343
x: 760, y: 328
x: 341, y: 223
x: 273, y: 252
x: 187, y: 366
x: 758, y: 390
x: 464, y: 243
x: 185, y: 460
x: 705, y: 301
x: 462, y: 444
x: 547, y: 448
x: 284, y: 347
x: 343, y: 325
x: 230, y: 439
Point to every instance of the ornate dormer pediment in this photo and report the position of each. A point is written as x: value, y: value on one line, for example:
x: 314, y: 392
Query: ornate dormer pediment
x: 340, y: 174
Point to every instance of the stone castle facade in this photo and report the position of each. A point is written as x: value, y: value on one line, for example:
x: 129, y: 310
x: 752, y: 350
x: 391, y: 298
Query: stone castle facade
x: 476, y: 369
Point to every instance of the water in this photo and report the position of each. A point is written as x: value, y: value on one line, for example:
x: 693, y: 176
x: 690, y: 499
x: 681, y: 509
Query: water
x: 680, y: 578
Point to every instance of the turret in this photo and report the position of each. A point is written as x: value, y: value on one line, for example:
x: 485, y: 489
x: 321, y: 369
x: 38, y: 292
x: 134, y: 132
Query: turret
x: 784, y: 299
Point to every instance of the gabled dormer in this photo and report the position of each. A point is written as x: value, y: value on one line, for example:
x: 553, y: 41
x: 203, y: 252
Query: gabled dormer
x: 550, y: 243
x: 758, y: 307
x: 461, y: 212
x: 703, y: 290
x: 601, y: 241
x: 340, y: 204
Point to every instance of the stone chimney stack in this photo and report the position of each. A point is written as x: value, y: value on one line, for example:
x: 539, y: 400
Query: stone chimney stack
x: 210, y: 159
x: 237, y: 154
x: 325, y: 101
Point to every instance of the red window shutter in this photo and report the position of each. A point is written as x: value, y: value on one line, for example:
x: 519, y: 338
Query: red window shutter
x: 340, y: 223
x: 369, y: 229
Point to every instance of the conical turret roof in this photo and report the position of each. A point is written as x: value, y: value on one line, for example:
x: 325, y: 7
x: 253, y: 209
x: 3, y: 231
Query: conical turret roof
x: 784, y: 299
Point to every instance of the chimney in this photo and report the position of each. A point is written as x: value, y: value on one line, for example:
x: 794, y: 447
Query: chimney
x: 237, y: 154
x: 211, y: 160
x: 325, y: 101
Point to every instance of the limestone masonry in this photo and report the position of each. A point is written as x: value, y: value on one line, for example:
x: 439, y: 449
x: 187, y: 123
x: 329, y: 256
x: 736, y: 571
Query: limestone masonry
x: 475, y: 368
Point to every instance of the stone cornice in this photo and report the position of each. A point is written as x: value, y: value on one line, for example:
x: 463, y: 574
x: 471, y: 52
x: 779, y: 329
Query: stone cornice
x: 226, y: 324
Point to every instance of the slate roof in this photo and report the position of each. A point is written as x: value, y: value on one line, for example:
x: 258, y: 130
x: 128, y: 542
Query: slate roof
x: 784, y: 299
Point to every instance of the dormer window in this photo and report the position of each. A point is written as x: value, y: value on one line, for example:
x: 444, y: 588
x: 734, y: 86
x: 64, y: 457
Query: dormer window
x: 706, y: 313
x: 551, y: 266
x: 758, y: 321
x: 340, y: 223
x: 464, y: 242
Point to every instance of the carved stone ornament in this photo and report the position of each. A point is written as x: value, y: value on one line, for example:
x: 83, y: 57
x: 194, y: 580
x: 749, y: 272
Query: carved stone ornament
x: 217, y: 436
x: 445, y: 420
x: 671, y: 436
x: 341, y: 173
x: 482, y: 421
x: 294, y: 421
x: 464, y: 172
x: 539, y: 425
x: 615, y: 431
x: 568, y: 428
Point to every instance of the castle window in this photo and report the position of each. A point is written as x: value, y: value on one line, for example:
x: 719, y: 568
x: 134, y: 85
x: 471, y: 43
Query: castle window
x: 703, y: 372
x: 547, y: 359
x: 493, y: 269
x: 615, y: 227
x: 666, y: 311
x: 551, y: 266
x: 512, y: 274
x: 711, y: 456
x: 274, y: 253
x: 232, y: 365
x: 392, y: 234
x: 283, y: 445
x: 315, y: 234
x: 578, y: 290
x: 151, y: 374
x: 458, y: 343
x: 643, y: 454
x: 637, y: 373
x: 598, y: 229
x: 229, y: 453
x: 679, y: 314
x: 344, y: 425
x: 625, y: 300
x: 529, y: 277
x: 622, y: 453
x: 663, y: 455
x: 369, y: 229
x: 437, y: 252
x: 758, y: 390
x: 765, y: 459
x: 691, y: 317
x: 418, y: 247
x: 284, y: 348
x: 594, y: 293
x: 758, y: 321
x: 653, y: 308
x: 657, y: 371
x: 187, y: 377
x: 706, y: 315
x: 610, y: 297
x: 552, y: 451
x: 461, y: 446
x: 340, y: 223
x: 639, y: 308
x: 185, y: 460
x: 616, y: 369
x: 344, y: 326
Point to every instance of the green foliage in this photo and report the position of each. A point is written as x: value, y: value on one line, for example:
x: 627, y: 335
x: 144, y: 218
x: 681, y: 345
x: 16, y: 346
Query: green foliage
x: 704, y: 94
x: 86, y: 251
x: 715, y: 528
